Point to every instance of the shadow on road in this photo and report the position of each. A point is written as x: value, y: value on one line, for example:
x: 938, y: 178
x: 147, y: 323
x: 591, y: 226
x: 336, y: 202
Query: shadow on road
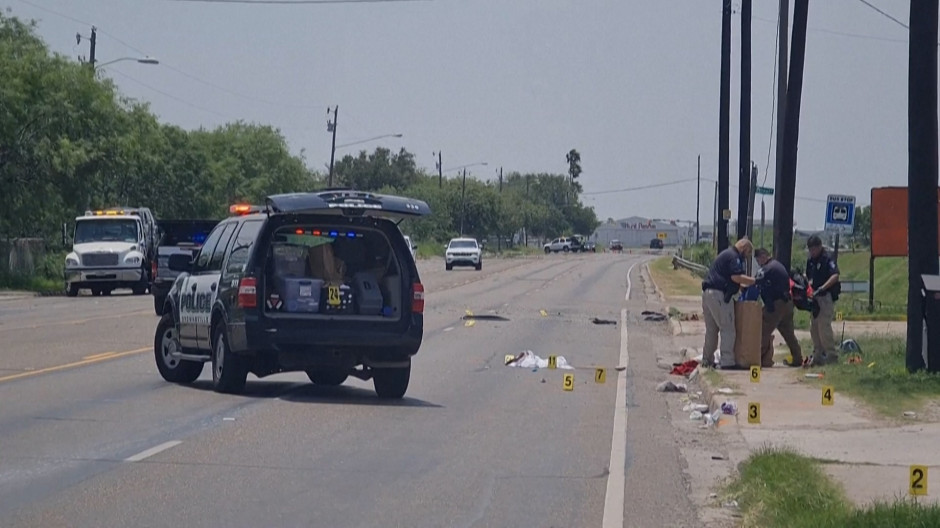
x: 292, y: 391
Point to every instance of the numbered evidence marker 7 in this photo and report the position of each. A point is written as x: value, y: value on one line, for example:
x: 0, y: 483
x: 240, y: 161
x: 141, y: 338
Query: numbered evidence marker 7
x: 552, y: 362
x: 918, y: 480
x: 827, y: 395
x: 600, y: 375
x: 755, y: 374
x: 753, y: 413
x: 568, y: 382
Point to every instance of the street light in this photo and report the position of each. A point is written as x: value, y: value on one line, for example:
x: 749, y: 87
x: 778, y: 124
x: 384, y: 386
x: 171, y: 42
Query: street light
x: 370, y: 139
x: 140, y: 60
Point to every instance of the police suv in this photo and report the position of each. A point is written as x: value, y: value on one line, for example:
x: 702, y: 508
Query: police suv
x: 320, y: 282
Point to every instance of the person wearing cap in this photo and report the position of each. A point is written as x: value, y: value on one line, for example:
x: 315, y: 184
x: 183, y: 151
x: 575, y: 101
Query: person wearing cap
x: 725, y: 278
x: 774, y: 284
x: 823, y: 275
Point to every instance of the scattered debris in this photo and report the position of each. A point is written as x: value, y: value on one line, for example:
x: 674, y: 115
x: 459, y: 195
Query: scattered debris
x: 528, y: 359
x: 668, y: 386
x: 713, y: 418
x: 689, y: 317
x: 717, y: 457
x: 850, y: 345
x: 713, y: 495
x: 696, y: 415
x: 815, y: 375
x: 730, y: 504
x: 725, y: 390
x: 700, y: 407
x: 684, y: 369
x: 228, y: 419
x: 729, y: 407
x: 910, y: 414
x: 603, y: 321
x: 653, y: 316
x: 484, y: 317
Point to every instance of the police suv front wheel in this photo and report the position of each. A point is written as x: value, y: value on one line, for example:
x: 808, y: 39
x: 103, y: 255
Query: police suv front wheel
x: 165, y: 344
x: 229, y: 371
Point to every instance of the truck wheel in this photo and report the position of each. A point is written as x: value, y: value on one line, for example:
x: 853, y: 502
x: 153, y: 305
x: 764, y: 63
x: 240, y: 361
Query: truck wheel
x: 158, y: 304
x: 96, y: 292
x: 71, y: 290
x: 566, y: 249
x: 327, y: 377
x: 479, y: 266
x: 229, y: 371
x: 391, y: 383
x: 448, y: 267
x: 548, y: 250
x: 166, y: 342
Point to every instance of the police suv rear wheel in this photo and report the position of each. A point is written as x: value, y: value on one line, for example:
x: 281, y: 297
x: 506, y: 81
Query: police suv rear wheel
x: 165, y: 344
x: 228, y: 370
x: 391, y: 383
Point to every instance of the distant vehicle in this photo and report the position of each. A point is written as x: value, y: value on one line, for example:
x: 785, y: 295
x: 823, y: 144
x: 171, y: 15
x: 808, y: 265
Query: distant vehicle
x: 589, y: 246
x: 176, y: 236
x: 412, y: 247
x: 616, y: 245
x: 656, y: 243
x: 318, y: 282
x: 111, y: 248
x: 463, y: 252
x: 562, y: 244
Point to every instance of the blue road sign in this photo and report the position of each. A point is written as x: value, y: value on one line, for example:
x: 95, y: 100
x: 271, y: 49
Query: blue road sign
x: 840, y: 214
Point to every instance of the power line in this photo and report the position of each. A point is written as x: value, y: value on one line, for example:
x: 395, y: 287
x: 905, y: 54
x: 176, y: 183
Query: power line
x: 841, y: 33
x: 640, y: 188
x: 884, y: 14
x: 295, y: 2
x: 237, y: 94
x: 171, y: 96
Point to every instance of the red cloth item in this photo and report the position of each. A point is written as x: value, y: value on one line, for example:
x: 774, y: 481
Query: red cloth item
x: 685, y: 369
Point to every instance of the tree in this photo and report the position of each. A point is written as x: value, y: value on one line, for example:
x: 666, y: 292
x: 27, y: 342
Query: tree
x: 862, y: 228
x: 574, y: 164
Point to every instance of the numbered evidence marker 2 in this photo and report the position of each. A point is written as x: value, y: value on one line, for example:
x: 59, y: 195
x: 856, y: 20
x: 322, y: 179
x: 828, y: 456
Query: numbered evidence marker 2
x: 755, y: 374
x: 552, y: 362
x: 827, y: 394
x: 753, y: 413
x: 918, y: 480
x: 568, y: 382
x: 600, y: 375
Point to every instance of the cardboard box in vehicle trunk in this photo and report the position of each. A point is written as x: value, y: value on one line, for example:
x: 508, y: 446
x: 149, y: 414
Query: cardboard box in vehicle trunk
x: 747, y: 333
x: 324, y: 265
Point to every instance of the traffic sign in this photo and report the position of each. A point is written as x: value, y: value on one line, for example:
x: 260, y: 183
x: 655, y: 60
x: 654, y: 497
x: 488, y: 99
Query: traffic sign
x: 765, y: 190
x: 661, y: 236
x: 840, y: 214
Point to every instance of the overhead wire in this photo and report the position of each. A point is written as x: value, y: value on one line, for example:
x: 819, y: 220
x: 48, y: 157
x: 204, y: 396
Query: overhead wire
x: 294, y: 2
x: 885, y: 14
x: 171, y: 96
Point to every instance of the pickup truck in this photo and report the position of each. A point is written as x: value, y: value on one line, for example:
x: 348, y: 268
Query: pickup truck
x: 176, y: 236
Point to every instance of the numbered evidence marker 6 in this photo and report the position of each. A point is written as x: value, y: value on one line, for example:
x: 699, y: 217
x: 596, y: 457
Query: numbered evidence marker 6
x: 827, y: 395
x: 600, y: 375
x: 918, y: 480
x: 568, y: 382
x: 753, y: 413
x: 755, y: 374
x: 552, y: 362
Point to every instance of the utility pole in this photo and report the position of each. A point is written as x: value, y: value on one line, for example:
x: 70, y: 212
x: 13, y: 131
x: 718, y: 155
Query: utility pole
x: 93, y: 40
x: 922, y: 182
x: 750, y: 202
x: 744, y: 160
x: 715, y: 226
x: 499, y: 236
x: 782, y: 61
x: 525, y: 219
x: 331, y: 127
x: 721, y: 225
x: 463, y: 201
x: 440, y: 171
x: 786, y: 188
x: 698, y: 199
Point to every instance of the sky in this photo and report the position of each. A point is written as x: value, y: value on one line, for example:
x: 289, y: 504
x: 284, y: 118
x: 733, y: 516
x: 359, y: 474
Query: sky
x: 632, y: 85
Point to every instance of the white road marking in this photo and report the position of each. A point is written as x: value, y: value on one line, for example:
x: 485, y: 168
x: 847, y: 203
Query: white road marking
x: 147, y: 453
x: 616, y: 477
x: 449, y: 328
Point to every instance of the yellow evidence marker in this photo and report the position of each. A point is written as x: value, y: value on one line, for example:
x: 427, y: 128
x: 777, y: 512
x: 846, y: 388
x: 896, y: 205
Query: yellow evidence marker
x: 755, y: 374
x: 753, y: 413
x: 568, y: 382
x: 918, y: 480
x: 552, y: 362
x: 827, y: 395
x: 600, y: 375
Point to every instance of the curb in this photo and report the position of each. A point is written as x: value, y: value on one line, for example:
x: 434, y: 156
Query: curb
x: 674, y: 324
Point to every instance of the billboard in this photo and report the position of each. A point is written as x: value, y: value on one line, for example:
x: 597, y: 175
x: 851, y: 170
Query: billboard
x: 889, y: 221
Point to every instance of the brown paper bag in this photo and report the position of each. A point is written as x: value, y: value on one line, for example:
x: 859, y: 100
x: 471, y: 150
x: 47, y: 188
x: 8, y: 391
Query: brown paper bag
x: 324, y: 265
x: 747, y: 329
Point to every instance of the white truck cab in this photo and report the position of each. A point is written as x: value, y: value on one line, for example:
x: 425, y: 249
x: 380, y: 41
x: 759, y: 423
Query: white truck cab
x: 111, y: 249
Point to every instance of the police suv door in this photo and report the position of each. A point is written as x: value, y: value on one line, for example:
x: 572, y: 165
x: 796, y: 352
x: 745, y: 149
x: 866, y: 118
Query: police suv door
x: 198, y: 289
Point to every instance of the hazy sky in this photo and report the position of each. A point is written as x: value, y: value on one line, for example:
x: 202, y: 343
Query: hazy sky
x: 633, y: 85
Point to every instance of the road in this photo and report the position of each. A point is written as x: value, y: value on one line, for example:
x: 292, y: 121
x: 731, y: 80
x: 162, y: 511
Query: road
x: 91, y: 436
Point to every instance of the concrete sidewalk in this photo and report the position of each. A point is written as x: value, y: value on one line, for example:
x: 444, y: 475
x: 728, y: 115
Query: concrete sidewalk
x: 868, y: 453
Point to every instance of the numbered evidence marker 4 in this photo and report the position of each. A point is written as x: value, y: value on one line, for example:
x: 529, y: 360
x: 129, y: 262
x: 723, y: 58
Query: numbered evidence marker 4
x: 552, y: 362
x: 918, y: 480
x: 600, y: 375
x: 755, y: 374
x: 568, y: 382
x: 827, y: 395
x: 753, y: 413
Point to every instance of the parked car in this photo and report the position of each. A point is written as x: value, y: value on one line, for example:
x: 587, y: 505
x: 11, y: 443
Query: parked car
x: 616, y: 245
x: 562, y: 244
x: 656, y: 243
x: 320, y: 282
x: 589, y: 246
x: 176, y: 236
x: 463, y: 252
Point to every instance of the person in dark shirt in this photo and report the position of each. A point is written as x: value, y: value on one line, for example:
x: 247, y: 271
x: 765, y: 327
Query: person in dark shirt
x: 725, y: 277
x: 774, y: 284
x: 823, y: 274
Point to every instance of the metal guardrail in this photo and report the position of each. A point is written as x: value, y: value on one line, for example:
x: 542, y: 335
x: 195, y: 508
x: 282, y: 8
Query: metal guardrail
x: 694, y: 267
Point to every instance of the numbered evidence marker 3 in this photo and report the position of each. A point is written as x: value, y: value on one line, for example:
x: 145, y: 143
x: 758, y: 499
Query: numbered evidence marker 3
x: 827, y: 395
x: 552, y: 362
x: 918, y: 480
x: 753, y: 413
x: 755, y: 374
x: 600, y: 375
x: 568, y: 382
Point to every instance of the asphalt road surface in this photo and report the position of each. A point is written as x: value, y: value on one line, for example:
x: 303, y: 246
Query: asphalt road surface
x: 91, y: 436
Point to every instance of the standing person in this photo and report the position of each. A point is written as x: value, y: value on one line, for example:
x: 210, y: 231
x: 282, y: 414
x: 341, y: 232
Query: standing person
x: 774, y: 284
x: 823, y: 275
x: 725, y: 277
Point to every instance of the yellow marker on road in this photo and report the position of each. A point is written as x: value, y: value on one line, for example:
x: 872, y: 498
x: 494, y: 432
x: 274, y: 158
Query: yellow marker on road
x: 755, y: 374
x: 543, y: 313
x: 753, y: 413
x: 508, y: 359
x: 553, y: 362
x: 470, y: 323
x: 838, y: 316
x: 568, y: 382
x: 827, y: 395
x: 918, y: 484
x: 600, y: 375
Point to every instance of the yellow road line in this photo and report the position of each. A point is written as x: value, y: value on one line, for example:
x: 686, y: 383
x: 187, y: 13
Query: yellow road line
x: 88, y: 361
x: 101, y: 355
